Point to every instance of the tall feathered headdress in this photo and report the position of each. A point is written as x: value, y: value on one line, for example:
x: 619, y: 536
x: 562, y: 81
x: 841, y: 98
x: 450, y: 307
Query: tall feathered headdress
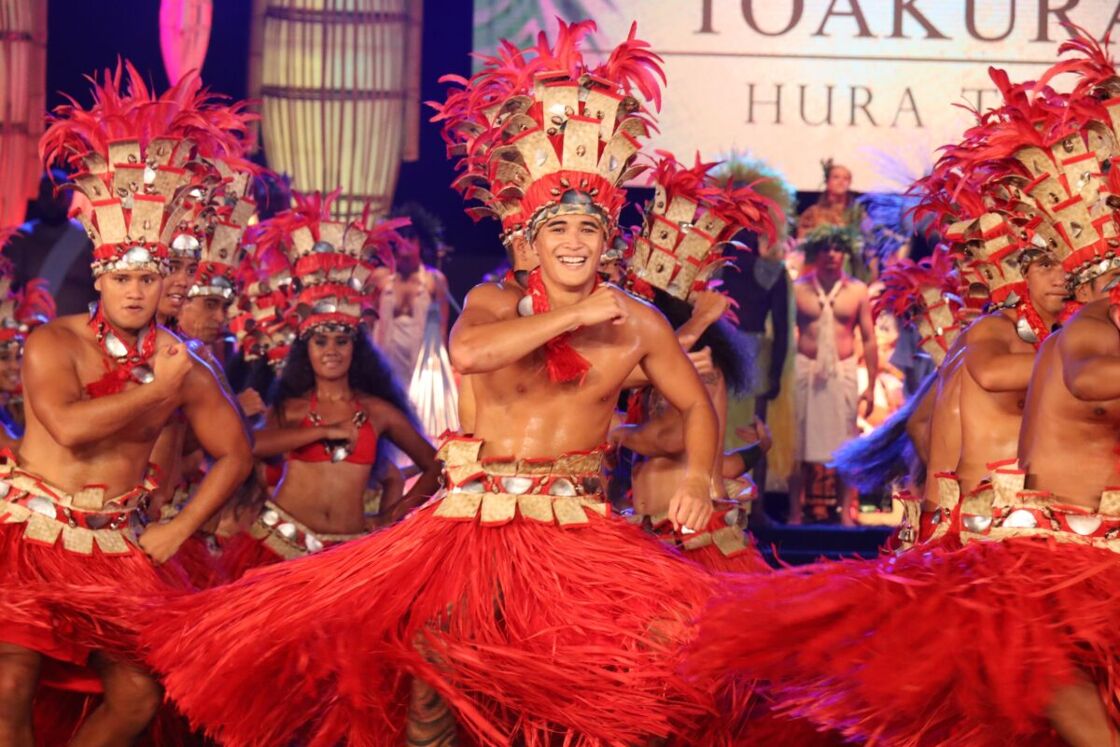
x: 332, y: 262
x: 1075, y: 183
x: 927, y: 296
x: 540, y: 132
x: 689, y: 222
x: 261, y: 322
x: 22, y: 310
x: 161, y: 174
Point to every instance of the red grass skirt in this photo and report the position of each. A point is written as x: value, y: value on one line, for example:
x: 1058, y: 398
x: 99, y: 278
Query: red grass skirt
x: 200, y: 564
x: 722, y: 547
x: 242, y: 553
x: 748, y: 560
x: 530, y: 631
x: 936, y: 646
x: 38, y: 612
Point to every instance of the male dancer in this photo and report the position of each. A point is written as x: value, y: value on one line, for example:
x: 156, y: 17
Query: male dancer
x: 1074, y: 399
x: 1026, y: 603
x: 407, y: 292
x: 182, y: 262
x: 997, y: 366
x: 691, y: 197
x: 202, y: 318
x: 491, y: 595
x: 99, y: 390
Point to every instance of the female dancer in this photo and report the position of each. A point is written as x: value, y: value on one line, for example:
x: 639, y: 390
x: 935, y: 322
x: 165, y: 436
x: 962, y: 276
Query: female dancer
x: 337, y: 397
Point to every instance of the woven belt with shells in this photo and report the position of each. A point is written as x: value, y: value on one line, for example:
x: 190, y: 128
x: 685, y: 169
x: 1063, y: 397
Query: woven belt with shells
x: 288, y: 537
x: 726, y: 530
x: 1002, y: 509
x: 909, y: 528
x: 80, y: 519
x: 562, y: 490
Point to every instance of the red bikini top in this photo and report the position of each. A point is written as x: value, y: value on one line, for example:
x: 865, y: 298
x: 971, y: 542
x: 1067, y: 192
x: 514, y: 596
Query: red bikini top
x: 364, y: 452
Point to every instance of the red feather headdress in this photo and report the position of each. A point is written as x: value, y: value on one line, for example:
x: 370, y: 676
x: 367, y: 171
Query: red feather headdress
x: 22, y: 310
x: 332, y: 262
x: 926, y: 295
x: 540, y: 132
x: 160, y: 173
x: 689, y: 222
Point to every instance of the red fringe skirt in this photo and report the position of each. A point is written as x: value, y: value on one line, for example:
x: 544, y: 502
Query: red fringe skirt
x: 242, y: 553
x: 937, y: 646
x: 38, y: 612
x: 64, y: 597
x: 528, y: 630
x: 202, y: 562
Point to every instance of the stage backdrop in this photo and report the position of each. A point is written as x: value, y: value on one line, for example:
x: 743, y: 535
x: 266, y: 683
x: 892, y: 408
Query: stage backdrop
x: 870, y: 83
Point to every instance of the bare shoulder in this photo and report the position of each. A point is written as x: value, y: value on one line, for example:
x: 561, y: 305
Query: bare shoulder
x: 643, y: 318
x: 370, y: 402
x: 376, y: 408
x: 991, y: 326
x: 1090, y: 327
x: 858, y: 287
x: 58, y: 338
x: 165, y: 337
x: 497, y: 298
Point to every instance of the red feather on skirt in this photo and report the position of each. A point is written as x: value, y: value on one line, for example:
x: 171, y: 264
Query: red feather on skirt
x: 933, y: 647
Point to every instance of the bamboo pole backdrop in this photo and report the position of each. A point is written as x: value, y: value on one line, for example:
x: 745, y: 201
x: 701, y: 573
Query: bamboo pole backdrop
x: 334, y: 88
x: 23, y: 83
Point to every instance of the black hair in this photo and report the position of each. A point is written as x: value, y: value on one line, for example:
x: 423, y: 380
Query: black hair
x: 369, y: 374
x: 729, y: 357
x: 424, y: 227
x: 251, y: 374
x: 272, y: 193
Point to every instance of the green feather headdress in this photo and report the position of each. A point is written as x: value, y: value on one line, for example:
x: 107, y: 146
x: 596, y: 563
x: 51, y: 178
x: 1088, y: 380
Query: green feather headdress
x: 741, y: 168
x: 847, y: 237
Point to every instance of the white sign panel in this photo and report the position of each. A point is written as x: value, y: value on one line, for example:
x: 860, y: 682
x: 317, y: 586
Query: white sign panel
x: 876, y: 85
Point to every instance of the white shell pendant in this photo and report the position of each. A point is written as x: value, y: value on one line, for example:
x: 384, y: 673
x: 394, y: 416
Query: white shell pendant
x: 114, y: 346
x: 143, y: 375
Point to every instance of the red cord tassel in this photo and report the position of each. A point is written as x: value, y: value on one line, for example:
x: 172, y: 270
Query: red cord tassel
x: 564, y: 363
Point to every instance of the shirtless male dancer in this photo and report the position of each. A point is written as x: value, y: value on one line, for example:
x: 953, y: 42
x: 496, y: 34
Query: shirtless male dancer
x: 831, y: 306
x: 99, y: 389
x: 1074, y: 403
x: 490, y: 595
x: 1026, y: 600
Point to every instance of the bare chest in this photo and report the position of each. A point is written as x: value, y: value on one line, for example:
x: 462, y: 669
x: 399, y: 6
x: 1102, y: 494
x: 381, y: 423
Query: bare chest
x: 92, y: 368
x: 811, y: 306
x: 979, y: 406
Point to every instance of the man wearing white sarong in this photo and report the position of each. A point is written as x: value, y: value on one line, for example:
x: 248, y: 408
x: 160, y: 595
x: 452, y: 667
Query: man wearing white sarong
x: 830, y: 306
